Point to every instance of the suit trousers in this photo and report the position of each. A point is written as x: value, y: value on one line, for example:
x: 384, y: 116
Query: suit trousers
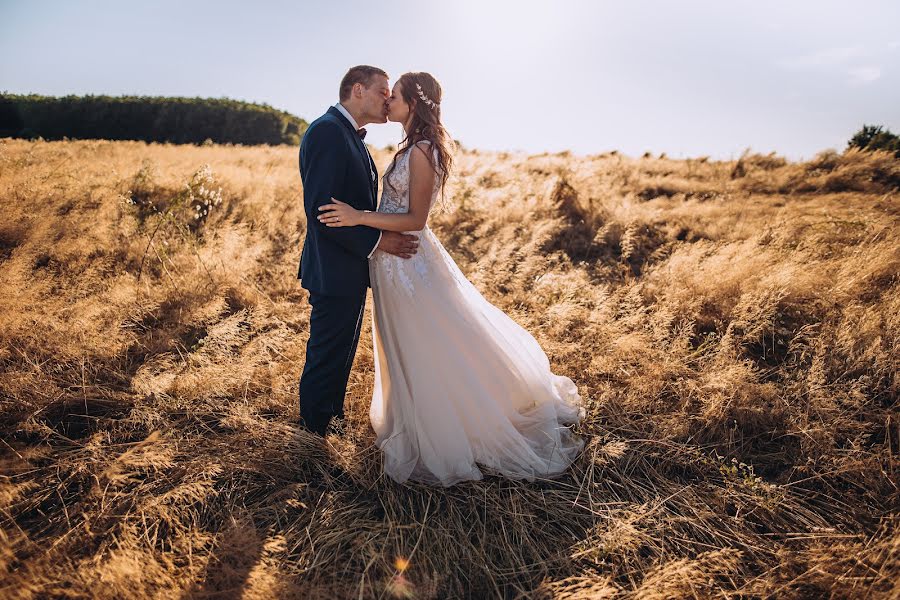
x: 335, y: 323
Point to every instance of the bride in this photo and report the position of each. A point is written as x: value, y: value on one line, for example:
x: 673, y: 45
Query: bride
x: 459, y: 386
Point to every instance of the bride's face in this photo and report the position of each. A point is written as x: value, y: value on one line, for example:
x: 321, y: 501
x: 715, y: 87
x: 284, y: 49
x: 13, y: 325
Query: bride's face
x: 398, y: 109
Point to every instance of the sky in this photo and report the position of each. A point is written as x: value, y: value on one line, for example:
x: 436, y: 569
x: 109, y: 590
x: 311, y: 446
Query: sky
x: 689, y: 78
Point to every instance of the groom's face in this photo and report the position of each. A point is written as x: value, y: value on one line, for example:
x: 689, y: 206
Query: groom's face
x: 374, y: 99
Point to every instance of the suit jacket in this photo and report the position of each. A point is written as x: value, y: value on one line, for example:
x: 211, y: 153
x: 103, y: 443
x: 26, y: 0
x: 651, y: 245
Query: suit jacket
x: 334, y: 163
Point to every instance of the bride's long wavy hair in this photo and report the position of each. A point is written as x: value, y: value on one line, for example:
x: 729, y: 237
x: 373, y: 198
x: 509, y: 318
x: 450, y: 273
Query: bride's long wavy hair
x: 425, y: 124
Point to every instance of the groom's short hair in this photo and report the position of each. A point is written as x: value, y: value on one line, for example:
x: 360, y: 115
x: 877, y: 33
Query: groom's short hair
x: 359, y: 74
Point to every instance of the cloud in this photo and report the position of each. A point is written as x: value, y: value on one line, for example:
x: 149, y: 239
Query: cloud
x: 864, y: 75
x: 828, y: 57
x: 854, y: 62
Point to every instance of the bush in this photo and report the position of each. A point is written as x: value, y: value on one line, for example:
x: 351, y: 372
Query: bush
x: 874, y: 137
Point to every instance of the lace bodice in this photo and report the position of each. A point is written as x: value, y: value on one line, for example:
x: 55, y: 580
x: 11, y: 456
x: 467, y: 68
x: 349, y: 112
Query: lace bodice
x: 396, y: 199
x: 408, y: 273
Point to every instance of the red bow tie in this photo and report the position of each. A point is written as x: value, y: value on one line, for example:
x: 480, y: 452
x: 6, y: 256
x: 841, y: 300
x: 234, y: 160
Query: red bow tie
x: 362, y: 133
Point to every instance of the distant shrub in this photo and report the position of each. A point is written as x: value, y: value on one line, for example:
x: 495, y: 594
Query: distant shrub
x: 147, y: 118
x: 749, y: 162
x: 189, y: 206
x: 875, y: 137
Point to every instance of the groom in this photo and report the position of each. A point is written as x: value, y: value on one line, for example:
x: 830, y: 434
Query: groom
x: 334, y: 266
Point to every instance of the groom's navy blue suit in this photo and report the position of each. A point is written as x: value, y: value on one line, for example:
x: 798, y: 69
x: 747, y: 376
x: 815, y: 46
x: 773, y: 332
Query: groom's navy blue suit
x: 334, y: 265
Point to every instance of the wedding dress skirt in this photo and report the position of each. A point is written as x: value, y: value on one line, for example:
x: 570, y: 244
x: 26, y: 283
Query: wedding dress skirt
x: 458, y: 383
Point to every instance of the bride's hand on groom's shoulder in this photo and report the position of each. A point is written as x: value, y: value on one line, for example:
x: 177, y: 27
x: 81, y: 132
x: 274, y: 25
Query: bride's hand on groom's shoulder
x: 339, y: 214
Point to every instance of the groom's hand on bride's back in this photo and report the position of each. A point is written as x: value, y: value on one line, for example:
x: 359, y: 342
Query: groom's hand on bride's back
x: 398, y: 244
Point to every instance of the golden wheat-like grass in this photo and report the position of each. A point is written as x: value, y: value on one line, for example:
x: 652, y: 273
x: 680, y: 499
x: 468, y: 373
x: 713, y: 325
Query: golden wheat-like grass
x: 733, y: 326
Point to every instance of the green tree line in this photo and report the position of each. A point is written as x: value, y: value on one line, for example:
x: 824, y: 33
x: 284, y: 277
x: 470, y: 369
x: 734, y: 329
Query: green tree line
x: 149, y: 118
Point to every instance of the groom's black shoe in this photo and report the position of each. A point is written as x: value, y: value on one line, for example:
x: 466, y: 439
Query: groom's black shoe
x: 317, y: 428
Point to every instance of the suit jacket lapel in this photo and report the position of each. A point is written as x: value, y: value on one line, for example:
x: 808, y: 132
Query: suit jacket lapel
x: 364, y: 153
x: 374, y: 185
x: 375, y: 194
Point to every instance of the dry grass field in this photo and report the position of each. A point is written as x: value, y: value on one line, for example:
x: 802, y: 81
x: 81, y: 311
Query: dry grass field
x: 733, y: 325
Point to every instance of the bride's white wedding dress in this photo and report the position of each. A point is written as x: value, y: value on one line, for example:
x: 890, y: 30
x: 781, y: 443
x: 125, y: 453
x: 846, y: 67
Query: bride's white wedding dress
x: 457, y: 381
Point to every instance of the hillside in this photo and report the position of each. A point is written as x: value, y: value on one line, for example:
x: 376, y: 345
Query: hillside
x: 734, y: 327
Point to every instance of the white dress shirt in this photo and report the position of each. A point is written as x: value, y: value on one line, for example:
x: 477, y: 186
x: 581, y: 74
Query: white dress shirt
x: 350, y: 118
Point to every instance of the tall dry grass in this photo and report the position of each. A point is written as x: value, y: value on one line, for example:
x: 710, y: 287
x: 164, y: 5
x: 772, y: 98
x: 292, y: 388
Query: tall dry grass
x: 733, y: 326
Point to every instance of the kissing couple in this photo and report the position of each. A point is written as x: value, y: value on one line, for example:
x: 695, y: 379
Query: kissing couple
x: 460, y: 388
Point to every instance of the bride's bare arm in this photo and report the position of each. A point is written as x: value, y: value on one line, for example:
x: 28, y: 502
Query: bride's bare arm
x: 421, y: 183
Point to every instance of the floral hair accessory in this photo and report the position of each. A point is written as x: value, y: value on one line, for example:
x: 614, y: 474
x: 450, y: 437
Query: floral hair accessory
x: 425, y: 98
